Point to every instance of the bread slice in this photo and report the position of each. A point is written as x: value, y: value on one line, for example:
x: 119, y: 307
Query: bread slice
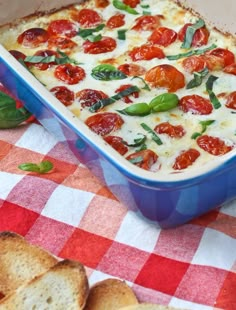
x: 63, y: 286
x: 110, y: 294
x: 144, y: 306
x: 20, y: 262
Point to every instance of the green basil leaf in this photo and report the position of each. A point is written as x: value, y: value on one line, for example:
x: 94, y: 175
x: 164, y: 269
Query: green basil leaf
x: 197, y: 78
x: 209, y: 88
x: 155, y: 137
x: 145, y: 6
x: 123, y: 7
x: 93, y: 38
x: 6, y: 101
x: 122, y: 34
x: 136, y: 109
x: 137, y: 141
x: 43, y: 167
x: 84, y: 33
x: 204, y: 125
x: 136, y: 160
x: 40, y: 59
x: 106, y: 72
x: 147, y: 13
x: 164, y: 102
x: 12, y: 117
x: 146, y: 87
x: 191, y: 53
x: 190, y: 33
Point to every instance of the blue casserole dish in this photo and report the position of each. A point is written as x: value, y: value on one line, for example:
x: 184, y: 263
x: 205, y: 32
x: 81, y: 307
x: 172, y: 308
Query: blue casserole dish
x: 169, y: 201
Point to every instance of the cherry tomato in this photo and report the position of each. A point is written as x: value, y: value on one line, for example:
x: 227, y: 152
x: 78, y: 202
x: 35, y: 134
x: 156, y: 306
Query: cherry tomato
x: 87, y: 18
x: 146, y: 52
x: 231, y: 69
x: 163, y: 36
x: 196, y: 105
x: 127, y: 99
x: 105, y: 45
x: 219, y: 58
x: 200, y: 37
x: 104, y: 123
x: 45, y: 53
x: 63, y: 94
x: 33, y: 37
x: 169, y: 129
x: 62, y: 27
x: 131, y: 3
x: 231, y: 100
x: 165, y: 76
x: 101, y: 3
x: 117, y: 144
x: 88, y: 97
x: 213, y: 145
x: 147, y: 22
x: 186, y: 159
x: 194, y: 63
x: 61, y: 43
x: 132, y: 69
x: 69, y: 73
x: 116, y: 21
x: 143, y: 159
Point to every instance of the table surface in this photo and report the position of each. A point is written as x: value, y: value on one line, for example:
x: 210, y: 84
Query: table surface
x: 70, y: 213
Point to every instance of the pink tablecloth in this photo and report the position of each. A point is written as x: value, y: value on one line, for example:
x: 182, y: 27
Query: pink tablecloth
x: 70, y: 213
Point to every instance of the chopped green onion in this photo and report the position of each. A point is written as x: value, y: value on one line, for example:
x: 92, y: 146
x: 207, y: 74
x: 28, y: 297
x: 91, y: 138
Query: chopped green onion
x: 155, y: 137
x: 197, y: 78
x: 190, y: 33
x: 191, y: 53
x: 209, y: 88
x: 123, y: 7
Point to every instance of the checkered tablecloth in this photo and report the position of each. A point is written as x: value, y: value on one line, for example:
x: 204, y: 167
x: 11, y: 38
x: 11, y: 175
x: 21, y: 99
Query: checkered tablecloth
x: 70, y: 213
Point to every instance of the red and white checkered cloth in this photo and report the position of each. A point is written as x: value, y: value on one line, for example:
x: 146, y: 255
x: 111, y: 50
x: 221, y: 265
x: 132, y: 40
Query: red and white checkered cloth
x: 70, y: 213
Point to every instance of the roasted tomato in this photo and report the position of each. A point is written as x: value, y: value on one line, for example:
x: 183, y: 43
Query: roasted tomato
x: 163, y: 36
x: 194, y: 63
x: 104, y: 123
x: 69, y: 73
x: 186, y: 159
x: 165, y: 76
x: 231, y: 101
x: 117, y: 144
x: 147, y: 22
x: 219, y: 58
x: 87, y: 18
x: 61, y: 42
x: 62, y: 27
x: 231, y: 69
x: 146, y: 52
x: 62, y: 93
x: 132, y: 69
x: 196, y: 105
x: 131, y: 3
x: 213, y: 145
x: 45, y: 53
x: 200, y: 36
x: 116, y: 21
x: 33, y: 37
x: 143, y: 159
x: 101, y: 3
x: 127, y: 99
x: 88, y: 97
x: 173, y: 131
x: 105, y: 45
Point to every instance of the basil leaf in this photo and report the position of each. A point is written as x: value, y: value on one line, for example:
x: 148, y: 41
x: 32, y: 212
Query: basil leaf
x: 191, y: 53
x: 43, y: 167
x: 136, y: 160
x: 123, y: 7
x: 146, y: 87
x: 6, y: 101
x: 85, y: 33
x: 145, y: 6
x: 122, y: 34
x: 93, y: 38
x: 197, y: 78
x: 204, y: 125
x: 12, y: 117
x: 137, y: 141
x: 155, y: 137
x: 40, y: 59
x: 164, y: 102
x: 190, y: 33
x: 107, y: 72
x: 136, y: 109
x: 209, y: 88
x: 107, y: 101
x: 147, y: 13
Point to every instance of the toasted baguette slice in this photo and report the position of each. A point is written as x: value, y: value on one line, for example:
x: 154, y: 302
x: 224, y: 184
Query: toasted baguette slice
x: 144, y: 306
x: 20, y: 261
x: 63, y: 286
x: 110, y: 294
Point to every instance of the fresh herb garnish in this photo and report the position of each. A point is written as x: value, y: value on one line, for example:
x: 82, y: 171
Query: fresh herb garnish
x: 136, y: 109
x: 123, y: 7
x: 164, y: 102
x: 43, y: 167
x: 145, y: 6
x: 155, y: 137
x: 188, y: 38
x: 136, y: 160
x: 93, y: 38
x: 197, y: 78
x: 146, y: 87
x: 85, y: 33
x: 209, y: 88
x: 147, y: 13
x: 137, y: 141
x: 48, y: 59
x: 122, y: 34
x: 191, y: 53
x: 106, y: 72
x: 204, y: 125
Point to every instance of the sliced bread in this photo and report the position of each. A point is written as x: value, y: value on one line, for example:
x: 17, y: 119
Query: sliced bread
x: 146, y: 306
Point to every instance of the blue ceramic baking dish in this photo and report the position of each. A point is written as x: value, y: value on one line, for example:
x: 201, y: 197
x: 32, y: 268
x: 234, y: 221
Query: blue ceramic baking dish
x: 169, y: 201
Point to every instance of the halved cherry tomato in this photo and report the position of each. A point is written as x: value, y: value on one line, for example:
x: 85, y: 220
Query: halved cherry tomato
x: 173, y: 131
x: 104, y: 123
x: 186, y: 159
x: 101, y: 3
x: 165, y: 76
x: 143, y: 159
x: 45, y: 53
x: 65, y: 95
x: 33, y: 37
x: 213, y: 145
x: 117, y: 144
x: 231, y: 101
x: 116, y: 21
x: 146, y: 52
x: 61, y: 43
x: 163, y: 36
x: 87, y: 18
x: 147, y: 22
x: 69, y: 73
x: 219, y: 58
x: 88, y: 97
x: 200, y: 37
x: 127, y: 99
x: 132, y: 69
x: 62, y: 27
x: 194, y: 63
x: 231, y: 69
x: 195, y: 104
x: 105, y: 45
x: 131, y: 3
